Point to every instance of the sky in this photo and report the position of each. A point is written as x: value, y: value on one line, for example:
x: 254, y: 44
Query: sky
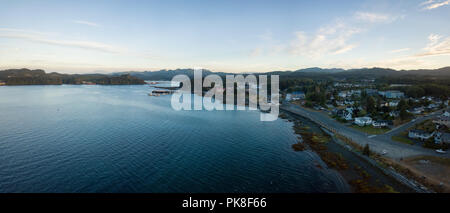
x: 227, y: 36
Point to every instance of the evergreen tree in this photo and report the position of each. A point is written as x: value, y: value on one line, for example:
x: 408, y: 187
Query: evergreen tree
x: 366, y: 150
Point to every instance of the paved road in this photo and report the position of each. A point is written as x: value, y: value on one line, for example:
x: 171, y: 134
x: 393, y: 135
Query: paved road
x: 395, y: 150
x: 408, y: 125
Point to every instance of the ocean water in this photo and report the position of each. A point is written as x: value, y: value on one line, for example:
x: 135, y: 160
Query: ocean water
x: 77, y: 138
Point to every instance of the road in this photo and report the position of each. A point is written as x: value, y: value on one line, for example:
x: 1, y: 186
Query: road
x: 408, y: 125
x: 378, y: 144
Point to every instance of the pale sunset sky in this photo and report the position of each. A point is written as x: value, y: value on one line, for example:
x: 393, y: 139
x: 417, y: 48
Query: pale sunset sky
x: 88, y: 36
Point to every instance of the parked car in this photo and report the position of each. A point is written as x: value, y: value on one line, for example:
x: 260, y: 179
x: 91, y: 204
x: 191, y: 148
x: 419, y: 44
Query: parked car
x: 440, y: 151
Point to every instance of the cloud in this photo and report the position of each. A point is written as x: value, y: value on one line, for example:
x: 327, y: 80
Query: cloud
x: 266, y: 36
x: 329, y: 40
x: 426, y: 2
x: 12, y: 30
x: 88, y: 23
x: 400, y: 50
x: 336, y: 38
x: 373, y: 17
x: 432, y: 4
x: 437, y: 45
x: 256, y: 52
x: 39, y: 38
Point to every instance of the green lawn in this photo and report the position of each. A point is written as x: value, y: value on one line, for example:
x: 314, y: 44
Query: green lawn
x: 370, y: 130
x: 402, y: 138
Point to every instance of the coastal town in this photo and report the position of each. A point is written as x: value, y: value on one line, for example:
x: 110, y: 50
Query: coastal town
x: 407, y: 129
x: 376, y: 112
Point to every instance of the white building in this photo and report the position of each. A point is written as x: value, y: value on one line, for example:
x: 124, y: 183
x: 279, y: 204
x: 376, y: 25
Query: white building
x: 380, y: 123
x: 393, y: 103
x: 363, y: 121
x: 288, y: 97
x: 298, y: 95
x: 346, y: 114
x: 420, y: 134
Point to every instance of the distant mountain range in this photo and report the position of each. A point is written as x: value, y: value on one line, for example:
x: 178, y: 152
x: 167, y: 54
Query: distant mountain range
x: 308, y: 72
x: 33, y: 77
x: 167, y: 74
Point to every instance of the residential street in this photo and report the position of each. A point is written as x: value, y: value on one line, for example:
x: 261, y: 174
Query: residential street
x: 408, y: 125
x: 378, y: 144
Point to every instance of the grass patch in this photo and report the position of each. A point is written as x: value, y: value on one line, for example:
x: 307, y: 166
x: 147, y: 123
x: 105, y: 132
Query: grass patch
x: 370, y: 129
x: 402, y: 138
x: 434, y: 159
x: 398, y: 122
x: 427, y: 126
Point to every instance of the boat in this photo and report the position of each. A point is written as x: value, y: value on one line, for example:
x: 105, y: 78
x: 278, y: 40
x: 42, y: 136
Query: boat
x: 160, y: 92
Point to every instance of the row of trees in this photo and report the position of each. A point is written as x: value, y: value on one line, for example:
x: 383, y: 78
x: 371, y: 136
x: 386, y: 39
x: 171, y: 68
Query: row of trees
x: 39, y: 77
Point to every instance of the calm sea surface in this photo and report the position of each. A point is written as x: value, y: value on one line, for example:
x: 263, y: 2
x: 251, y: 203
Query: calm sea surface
x: 74, y: 138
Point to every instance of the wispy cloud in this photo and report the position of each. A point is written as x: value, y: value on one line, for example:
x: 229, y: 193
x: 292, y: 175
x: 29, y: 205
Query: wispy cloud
x: 329, y: 40
x: 88, y: 23
x: 426, y: 2
x: 373, y: 17
x: 13, y: 30
x: 40, y: 38
x: 437, y: 45
x: 336, y: 38
x: 400, y: 50
x: 433, y: 4
x: 256, y: 52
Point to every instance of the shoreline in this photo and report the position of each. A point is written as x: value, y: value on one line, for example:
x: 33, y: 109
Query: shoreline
x: 361, y: 175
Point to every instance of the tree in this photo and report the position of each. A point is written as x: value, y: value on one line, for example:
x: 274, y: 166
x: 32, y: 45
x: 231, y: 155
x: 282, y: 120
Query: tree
x: 363, y: 94
x: 361, y: 113
x: 370, y: 105
x: 404, y: 115
x: 402, y: 105
x: 366, y: 150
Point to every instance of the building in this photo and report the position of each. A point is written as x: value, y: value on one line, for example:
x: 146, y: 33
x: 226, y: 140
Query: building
x: 417, y: 110
x: 344, y: 94
x: 394, y: 113
x: 442, y: 120
x: 288, y: 97
x: 355, y: 92
x: 348, y: 94
x: 87, y: 83
x: 346, y: 114
x: 419, y: 134
x: 442, y: 137
x: 298, y: 95
x: 2, y: 83
x: 392, y: 94
x: 371, y: 91
x: 363, y: 121
x: 380, y: 123
x: 393, y: 103
x: 432, y: 106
